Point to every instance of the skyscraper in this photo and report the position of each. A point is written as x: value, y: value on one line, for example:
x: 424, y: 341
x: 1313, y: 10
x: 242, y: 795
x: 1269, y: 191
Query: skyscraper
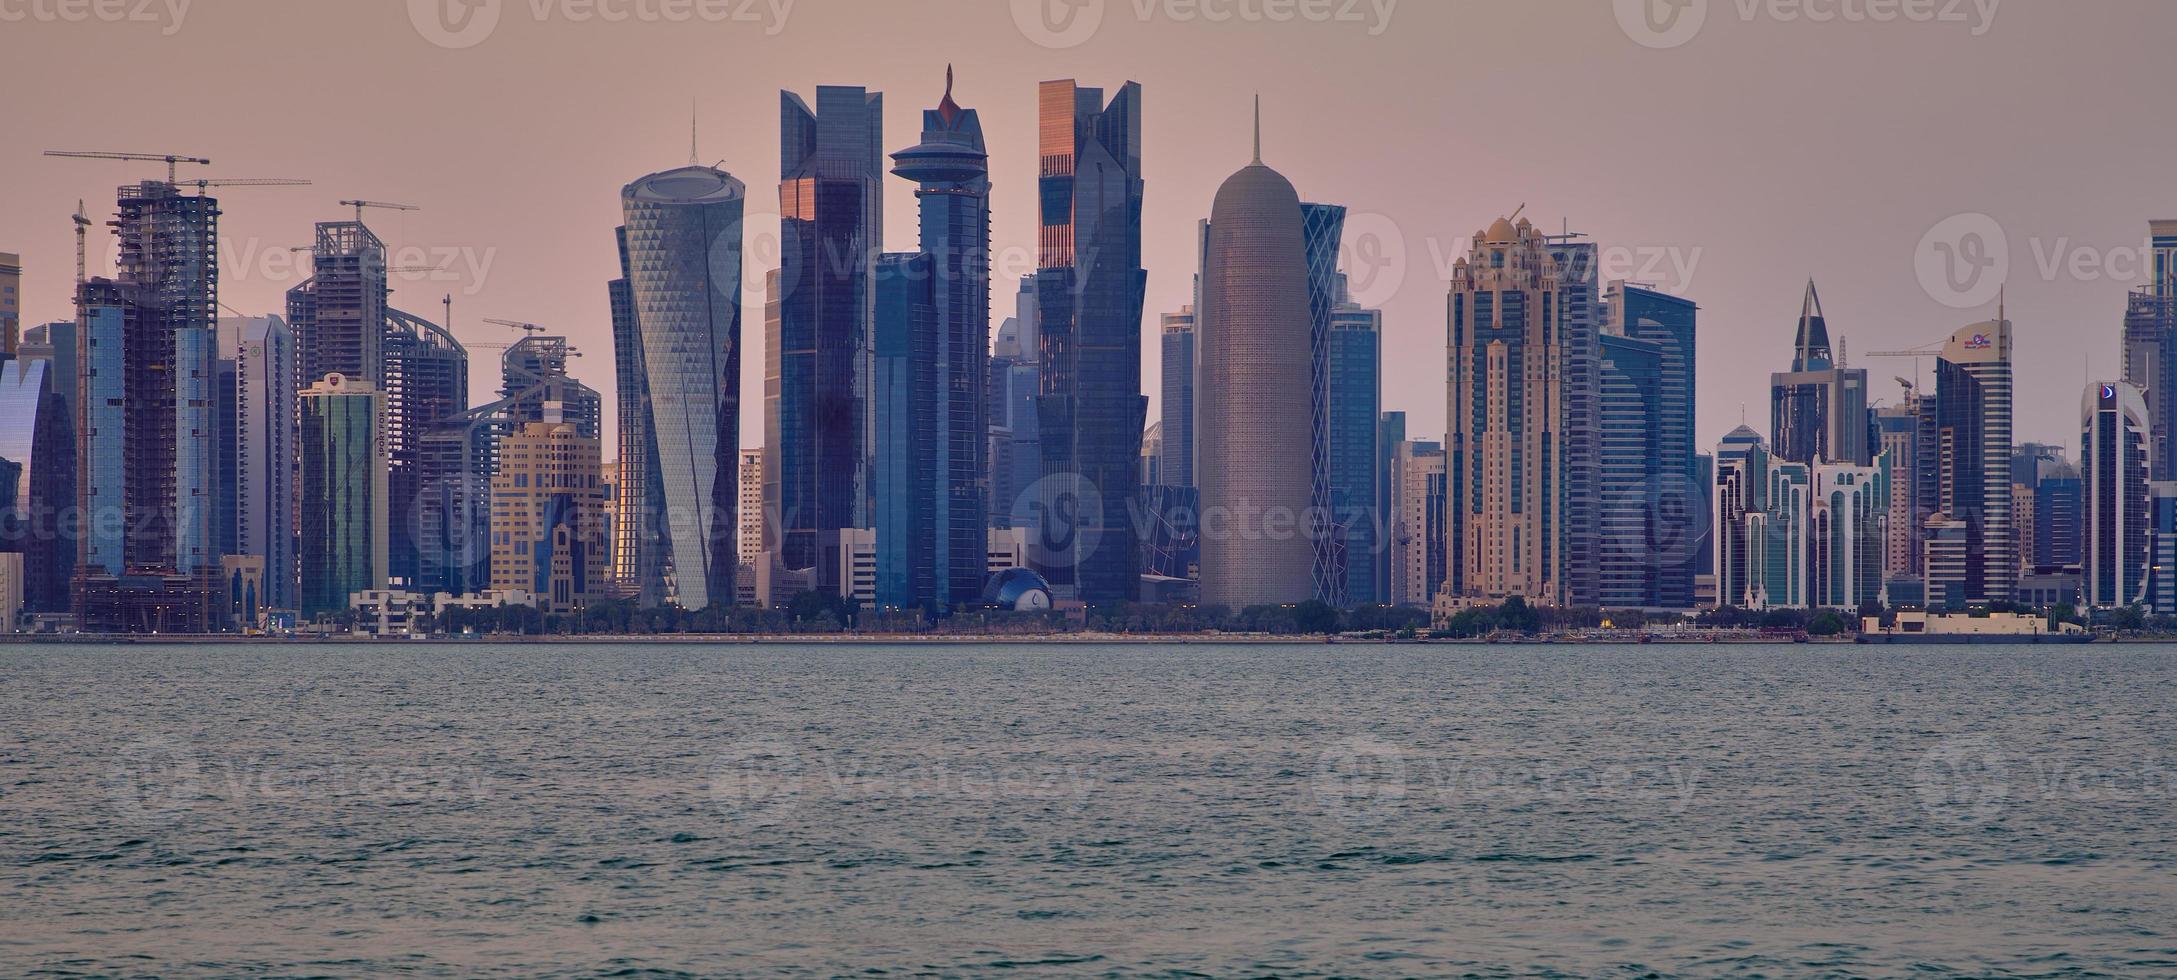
x: 148, y: 440
x: 266, y: 429
x: 748, y: 543
x: 1576, y: 431
x: 1257, y: 440
x: 682, y: 230
x: 343, y: 507
x: 1847, y: 519
x: 1506, y: 460
x: 1973, y: 433
x: 11, y: 302
x: 1176, y: 465
x: 425, y: 381
x: 1673, y: 495
x: 1089, y: 293
x: 547, y: 516
x: 1420, y: 533
x: 1322, y: 229
x: 338, y: 314
x: 950, y: 168
x: 2150, y: 365
x: 638, y: 513
x: 37, y: 480
x: 818, y: 399
x: 2115, y: 436
x: 1897, y: 429
x: 2059, y: 518
x: 1631, y: 399
x: 1818, y: 410
x: 1353, y: 407
x: 1016, y: 437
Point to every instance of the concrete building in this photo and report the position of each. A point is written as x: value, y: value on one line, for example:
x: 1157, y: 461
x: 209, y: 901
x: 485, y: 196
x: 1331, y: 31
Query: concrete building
x: 1255, y: 460
x: 1818, y: 409
x: 267, y: 430
x: 1420, y: 555
x: 1973, y: 431
x: 749, y: 541
x: 548, y: 530
x: 1508, y: 480
x: 343, y: 504
x: 11, y: 301
x: 2115, y: 438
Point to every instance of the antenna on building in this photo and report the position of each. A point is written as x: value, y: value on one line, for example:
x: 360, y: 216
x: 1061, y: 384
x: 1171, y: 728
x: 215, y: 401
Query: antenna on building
x: 1258, y: 129
x: 692, y: 160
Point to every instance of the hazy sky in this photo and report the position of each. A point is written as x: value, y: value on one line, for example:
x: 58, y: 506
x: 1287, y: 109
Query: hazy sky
x: 1729, y: 154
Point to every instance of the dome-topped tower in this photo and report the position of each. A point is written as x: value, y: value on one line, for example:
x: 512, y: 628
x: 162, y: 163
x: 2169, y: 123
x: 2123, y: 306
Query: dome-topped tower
x: 1253, y: 428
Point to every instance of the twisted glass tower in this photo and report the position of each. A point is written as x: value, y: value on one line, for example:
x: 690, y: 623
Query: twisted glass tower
x: 684, y: 278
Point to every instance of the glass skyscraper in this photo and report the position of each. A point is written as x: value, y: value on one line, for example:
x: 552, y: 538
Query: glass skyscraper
x: 1322, y: 228
x: 1818, y: 410
x: 1653, y: 506
x: 2113, y: 443
x: 265, y: 449
x: 343, y: 493
x: 1176, y: 467
x: 1973, y: 427
x: 817, y: 383
x: 683, y: 240
x: 1353, y: 368
x: 1089, y: 293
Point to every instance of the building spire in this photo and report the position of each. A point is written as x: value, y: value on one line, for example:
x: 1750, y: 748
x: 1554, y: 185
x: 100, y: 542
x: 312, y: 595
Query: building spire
x: 1258, y: 129
x: 949, y: 110
x: 693, y: 161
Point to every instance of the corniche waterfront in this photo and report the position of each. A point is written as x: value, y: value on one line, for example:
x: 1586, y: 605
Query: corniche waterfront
x: 1293, y: 809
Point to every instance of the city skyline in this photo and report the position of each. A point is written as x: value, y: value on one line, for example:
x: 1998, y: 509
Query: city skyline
x: 1746, y: 271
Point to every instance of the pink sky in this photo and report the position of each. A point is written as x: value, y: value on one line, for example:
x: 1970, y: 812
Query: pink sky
x: 1764, y: 149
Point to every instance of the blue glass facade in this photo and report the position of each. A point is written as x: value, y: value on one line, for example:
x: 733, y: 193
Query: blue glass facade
x: 1322, y: 228
x: 1672, y: 491
x: 343, y: 494
x: 37, y: 474
x: 817, y: 385
x: 101, y: 485
x: 906, y: 473
x: 1632, y: 395
x: 1090, y: 286
x: 683, y: 231
x: 1356, y: 459
x: 638, y: 540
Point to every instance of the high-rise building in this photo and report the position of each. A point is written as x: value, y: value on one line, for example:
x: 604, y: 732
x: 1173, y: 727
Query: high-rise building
x: 343, y: 503
x: 1672, y: 495
x: 37, y: 480
x: 147, y: 446
x: 1577, y: 432
x: 682, y: 230
x: 1256, y: 464
x: 1322, y: 229
x: 1175, y: 464
x: 1354, y: 367
x: 1847, y: 536
x: 748, y: 543
x: 11, y: 302
x: 1897, y: 430
x: 2059, y: 514
x: 460, y: 456
x: 1090, y: 286
x: 1741, y: 481
x: 1390, y: 432
x: 339, y: 313
x: 266, y: 424
x: 55, y: 344
x: 2115, y: 436
x: 1818, y: 409
x: 547, y: 516
x: 2150, y: 364
x: 2162, y: 570
x: 820, y: 366
x: 1973, y: 436
x: 950, y: 168
x: 1508, y: 465
x: 426, y: 381
x: 1016, y: 454
x: 1419, y: 532
x: 904, y: 474
x: 638, y: 512
x: 1632, y: 564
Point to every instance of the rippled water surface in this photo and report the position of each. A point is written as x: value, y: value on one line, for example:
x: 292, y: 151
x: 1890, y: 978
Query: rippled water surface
x: 574, y: 811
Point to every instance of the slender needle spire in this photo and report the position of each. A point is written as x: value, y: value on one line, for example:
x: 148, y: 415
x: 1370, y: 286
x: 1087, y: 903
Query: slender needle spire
x: 693, y: 160
x: 1258, y: 129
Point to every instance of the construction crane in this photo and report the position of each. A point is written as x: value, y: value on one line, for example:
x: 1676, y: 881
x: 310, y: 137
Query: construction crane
x: 1917, y: 354
x: 83, y: 225
x: 200, y: 185
x: 170, y: 159
x: 386, y: 205
x: 527, y: 328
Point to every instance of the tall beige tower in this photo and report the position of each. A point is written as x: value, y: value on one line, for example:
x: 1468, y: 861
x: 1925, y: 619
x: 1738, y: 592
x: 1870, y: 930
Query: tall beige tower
x: 1252, y: 413
x: 1504, y: 453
